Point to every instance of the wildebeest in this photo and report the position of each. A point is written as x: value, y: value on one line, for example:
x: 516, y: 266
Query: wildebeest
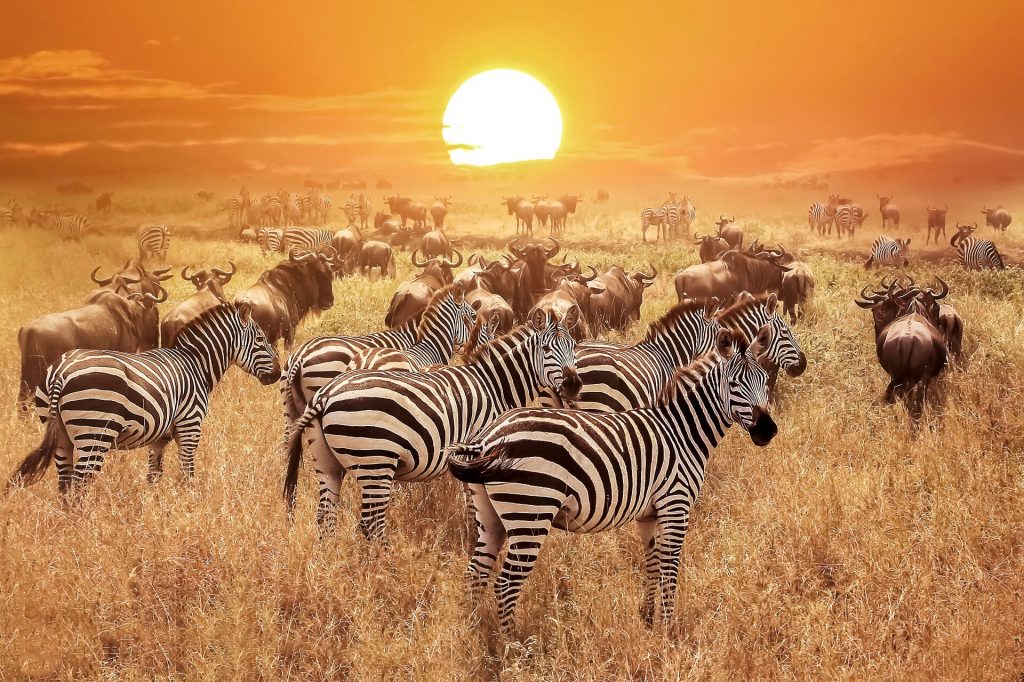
x: 408, y: 210
x: 889, y: 211
x: 532, y: 276
x: 413, y: 295
x: 561, y: 208
x: 105, y: 202
x: 541, y: 208
x: 796, y: 290
x: 285, y: 294
x: 937, y: 222
x: 375, y: 254
x: 204, y: 194
x: 998, y: 218
x: 602, y: 196
x: 439, y: 209
x: 571, y: 293
x: 347, y: 243
x: 730, y: 232
x: 618, y: 306
x: 735, y: 271
x: 437, y: 243
x: 112, y: 319
x: 209, y: 294
x: 522, y: 210
x: 711, y: 246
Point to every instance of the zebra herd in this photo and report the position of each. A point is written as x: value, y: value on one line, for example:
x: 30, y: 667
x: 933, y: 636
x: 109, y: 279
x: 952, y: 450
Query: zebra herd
x: 668, y: 217
x: 281, y: 209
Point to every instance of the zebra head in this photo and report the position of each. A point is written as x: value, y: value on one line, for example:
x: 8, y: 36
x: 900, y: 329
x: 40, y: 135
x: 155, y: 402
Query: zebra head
x: 744, y: 388
x: 783, y: 350
x: 557, y: 358
x: 464, y: 315
x: 253, y: 352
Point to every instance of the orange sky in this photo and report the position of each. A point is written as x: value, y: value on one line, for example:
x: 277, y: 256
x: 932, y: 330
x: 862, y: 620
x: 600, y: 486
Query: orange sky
x: 724, y: 91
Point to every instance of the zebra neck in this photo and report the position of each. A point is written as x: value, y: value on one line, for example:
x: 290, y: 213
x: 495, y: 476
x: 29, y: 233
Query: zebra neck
x: 676, y: 347
x: 510, y: 372
x: 212, y: 361
x: 695, y: 414
x: 434, y: 349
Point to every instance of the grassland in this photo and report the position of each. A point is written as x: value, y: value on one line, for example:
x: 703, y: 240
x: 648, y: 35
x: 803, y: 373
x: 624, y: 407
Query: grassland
x: 846, y: 549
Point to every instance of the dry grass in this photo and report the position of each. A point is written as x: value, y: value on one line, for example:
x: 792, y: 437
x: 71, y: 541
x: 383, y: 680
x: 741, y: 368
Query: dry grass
x: 846, y: 549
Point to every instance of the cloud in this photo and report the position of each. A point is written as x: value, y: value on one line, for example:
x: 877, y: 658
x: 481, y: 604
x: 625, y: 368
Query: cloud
x: 152, y: 42
x: 399, y: 100
x: 86, y: 74
x: 160, y: 123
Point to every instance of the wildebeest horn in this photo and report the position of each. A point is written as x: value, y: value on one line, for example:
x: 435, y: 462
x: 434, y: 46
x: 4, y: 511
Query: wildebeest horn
x: 583, y: 278
x: 449, y: 260
x: 514, y: 247
x: 554, y: 250
x: 696, y: 239
x: 649, y: 278
x: 191, y: 278
x: 218, y: 271
x: 150, y: 297
x: 160, y: 274
x: 473, y: 258
x: 416, y: 262
x: 936, y: 295
x: 873, y: 297
x: 101, y: 282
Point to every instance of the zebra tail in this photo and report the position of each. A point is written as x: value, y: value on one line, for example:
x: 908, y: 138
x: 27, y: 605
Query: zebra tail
x: 36, y: 462
x: 467, y: 463
x: 294, y: 448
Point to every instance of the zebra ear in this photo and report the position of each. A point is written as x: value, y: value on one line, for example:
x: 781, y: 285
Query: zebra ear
x: 494, y: 321
x: 725, y: 343
x: 772, y: 303
x: 761, y: 341
x: 572, y: 317
x: 458, y: 293
x: 711, y: 307
x: 244, y: 312
x: 540, y: 320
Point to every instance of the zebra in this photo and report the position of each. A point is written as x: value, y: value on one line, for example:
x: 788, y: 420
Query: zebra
x: 305, y: 239
x: 974, y: 253
x: 154, y: 240
x: 271, y: 211
x: 319, y: 204
x: 270, y: 239
x: 888, y: 253
x: 292, y: 208
x: 848, y: 218
x: 617, y: 378
x: 235, y: 206
x: 673, y: 215
x: 103, y: 400
x: 6, y: 217
x: 445, y: 325
x: 537, y: 469
x: 351, y: 210
x: 68, y: 226
x: 365, y: 209
x: 651, y: 216
x: 384, y: 426
x: 820, y: 216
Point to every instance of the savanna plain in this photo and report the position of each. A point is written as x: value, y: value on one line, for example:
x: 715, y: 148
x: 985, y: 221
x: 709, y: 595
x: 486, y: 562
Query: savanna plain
x: 846, y: 549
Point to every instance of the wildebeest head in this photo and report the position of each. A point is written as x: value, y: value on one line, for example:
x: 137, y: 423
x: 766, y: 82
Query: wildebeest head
x: 535, y: 253
x: 962, y: 232
x: 318, y: 268
x: 937, y: 216
x: 439, y: 268
x: 886, y: 302
x: 213, y: 279
x: 746, y: 383
x: 723, y: 221
x: 883, y: 201
x: 511, y: 203
x: 711, y: 246
x: 570, y: 201
x: 397, y: 203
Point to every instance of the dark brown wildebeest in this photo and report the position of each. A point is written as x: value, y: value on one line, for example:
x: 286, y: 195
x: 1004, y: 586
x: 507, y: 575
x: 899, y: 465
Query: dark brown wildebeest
x: 937, y: 222
x: 730, y: 232
x: 602, y: 196
x: 285, y: 294
x: 413, y: 296
x: 572, y: 293
x: 562, y: 208
x: 618, y: 306
x: 437, y: 243
x: 439, y: 209
x: 889, y: 211
x: 499, y: 277
x: 711, y: 247
x: 796, y: 290
x: 522, y: 210
x: 374, y: 254
x: 105, y: 202
x: 408, y: 210
x: 735, y: 271
x: 541, y: 208
x: 209, y: 294
x: 118, y: 319
x: 205, y: 194
x: 532, y: 277
x: 997, y: 218
x: 477, y: 264
x: 347, y: 243
x: 492, y: 307
x: 910, y: 349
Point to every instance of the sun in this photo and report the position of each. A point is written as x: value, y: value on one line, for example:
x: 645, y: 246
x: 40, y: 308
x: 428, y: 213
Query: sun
x: 501, y: 116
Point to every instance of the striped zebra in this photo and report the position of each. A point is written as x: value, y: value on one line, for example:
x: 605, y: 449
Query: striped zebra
x: 445, y: 325
x: 974, y: 253
x: 6, y: 217
x: 270, y: 239
x: 888, y: 253
x: 365, y: 210
x: 652, y: 216
x: 305, y: 238
x: 154, y: 240
x: 319, y: 204
x: 534, y: 469
x: 292, y: 208
x: 384, y: 426
x: 271, y: 211
x: 235, y: 206
x: 820, y: 216
x: 848, y: 218
x: 72, y: 226
x: 617, y: 378
x: 103, y: 400
x: 673, y: 216
x: 351, y: 210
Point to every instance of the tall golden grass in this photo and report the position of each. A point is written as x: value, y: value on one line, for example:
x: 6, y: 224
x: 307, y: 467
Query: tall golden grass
x: 845, y: 549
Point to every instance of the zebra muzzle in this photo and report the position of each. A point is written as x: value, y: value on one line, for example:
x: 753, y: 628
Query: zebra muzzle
x: 763, y: 430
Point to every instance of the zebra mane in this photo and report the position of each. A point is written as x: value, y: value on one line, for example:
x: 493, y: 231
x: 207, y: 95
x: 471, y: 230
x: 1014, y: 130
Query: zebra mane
x: 738, y: 307
x: 433, y: 310
x: 497, y: 345
x: 666, y: 321
x: 202, y: 319
x: 687, y: 377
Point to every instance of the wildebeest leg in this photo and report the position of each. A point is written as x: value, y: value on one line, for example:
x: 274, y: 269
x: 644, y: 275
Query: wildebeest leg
x: 156, y: 460
x: 890, y: 391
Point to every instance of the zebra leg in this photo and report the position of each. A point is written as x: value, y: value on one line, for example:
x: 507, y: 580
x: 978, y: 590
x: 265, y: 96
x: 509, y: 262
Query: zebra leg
x: 88, y: 463
x: 525, y: 542
x: 156, y: 460
x: 329, y: 474
x: 673, y: 523
x: 187, y: 438
x: 375, y: 485
x: 649, y: 538
x: 490, y: 538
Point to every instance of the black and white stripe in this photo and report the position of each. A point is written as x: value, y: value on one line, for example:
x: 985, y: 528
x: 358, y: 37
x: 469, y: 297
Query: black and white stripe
x: 102, y: 400
x: 673, y: 215
x: 270, y: 239
x: 534, y: 469
x: 652, y: 216
x: 889, y: 253
x: 305, y: 238
x: 351, y: 210
x: 820, y: 216
x: 271, y: 211
x: 319, y: 204
x: 848, y: 218
x: 154, y: 241
x: 383, y: 426
x: 67, y: 226
x: 976, y: 254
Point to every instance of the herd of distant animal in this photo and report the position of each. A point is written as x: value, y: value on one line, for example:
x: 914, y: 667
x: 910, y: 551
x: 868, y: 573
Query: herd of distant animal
x: 623, y: 432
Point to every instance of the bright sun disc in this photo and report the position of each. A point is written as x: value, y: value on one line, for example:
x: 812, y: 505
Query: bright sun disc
x: 501, y: 116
